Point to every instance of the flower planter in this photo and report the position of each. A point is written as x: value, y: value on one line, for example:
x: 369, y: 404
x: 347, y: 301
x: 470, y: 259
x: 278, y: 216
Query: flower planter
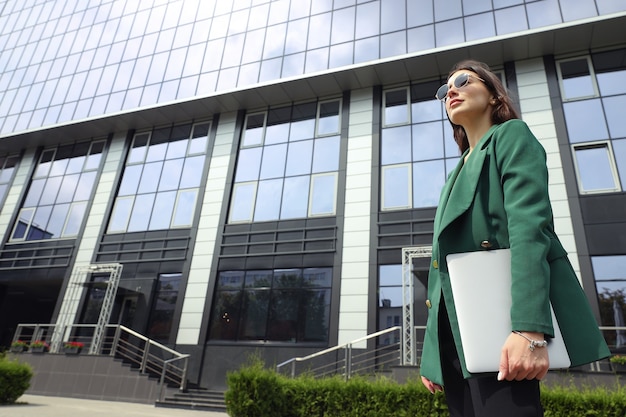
x: 38, y: 349
x: 72, y: 350
x: 618, y: 367
x: 18, y: 349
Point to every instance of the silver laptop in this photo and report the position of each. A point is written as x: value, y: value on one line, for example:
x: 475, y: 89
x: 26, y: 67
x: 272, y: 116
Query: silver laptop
x: 481, y: 287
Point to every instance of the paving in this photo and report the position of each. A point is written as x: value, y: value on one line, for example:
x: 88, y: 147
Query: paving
x: 43, y: 406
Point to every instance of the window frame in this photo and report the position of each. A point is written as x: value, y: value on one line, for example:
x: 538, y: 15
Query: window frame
x: 407, y: 90
x: 317, y: 118
x: 409, y: 205
x: 592, y: 74
x: 255, y: 185
x: 612, y: 165
x: 310, y: 212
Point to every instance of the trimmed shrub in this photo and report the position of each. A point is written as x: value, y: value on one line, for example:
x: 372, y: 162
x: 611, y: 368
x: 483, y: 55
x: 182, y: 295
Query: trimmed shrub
x: 255, y: 391
x: 14, y: 380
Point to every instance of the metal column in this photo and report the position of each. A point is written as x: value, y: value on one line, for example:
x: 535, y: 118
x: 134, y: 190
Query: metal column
x: 408, y: 325
x: 69, y: 308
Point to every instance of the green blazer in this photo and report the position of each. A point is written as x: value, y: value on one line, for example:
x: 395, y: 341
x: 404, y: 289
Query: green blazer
x: 499, y: 199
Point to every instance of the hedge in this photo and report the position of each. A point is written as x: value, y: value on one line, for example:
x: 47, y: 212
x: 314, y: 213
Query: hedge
x: 254, y: 391
x: 14, y: 379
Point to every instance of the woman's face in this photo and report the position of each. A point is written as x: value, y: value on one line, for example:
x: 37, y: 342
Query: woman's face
x: 471, y: 101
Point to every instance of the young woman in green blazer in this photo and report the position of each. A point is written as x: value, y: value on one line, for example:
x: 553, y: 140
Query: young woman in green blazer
x: 497, y: 197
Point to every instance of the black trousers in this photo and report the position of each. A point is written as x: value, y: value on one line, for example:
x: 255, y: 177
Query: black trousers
x: 483, y: 396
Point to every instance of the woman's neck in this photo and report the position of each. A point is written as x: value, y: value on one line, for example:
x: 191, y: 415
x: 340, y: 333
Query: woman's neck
x: 475, y: 131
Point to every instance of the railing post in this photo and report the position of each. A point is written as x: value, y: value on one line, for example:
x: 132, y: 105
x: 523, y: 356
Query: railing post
x: 183, y: 382
x: 116, y: 340
x: 144, y: 359
x: 293, y: 369
x: 348, y: 361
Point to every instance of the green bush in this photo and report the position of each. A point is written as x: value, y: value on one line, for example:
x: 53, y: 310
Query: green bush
x: 566, y: 401
x: 255, y: 391
x: 14, y: 380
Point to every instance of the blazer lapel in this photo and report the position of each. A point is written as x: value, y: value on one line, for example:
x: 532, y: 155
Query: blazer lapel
x: 458, y: 193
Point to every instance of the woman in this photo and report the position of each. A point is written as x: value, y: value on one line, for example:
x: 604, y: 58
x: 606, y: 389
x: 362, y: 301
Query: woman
x: 497, y: 197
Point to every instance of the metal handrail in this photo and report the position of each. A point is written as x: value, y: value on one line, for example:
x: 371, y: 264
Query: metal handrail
x: 166, y: 363
x: 138, y: 354
x: 348, y: 352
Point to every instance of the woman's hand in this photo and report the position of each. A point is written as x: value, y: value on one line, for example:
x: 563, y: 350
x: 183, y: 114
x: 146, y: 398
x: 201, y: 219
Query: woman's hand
x: 518, y: 362
x: 431, y: 386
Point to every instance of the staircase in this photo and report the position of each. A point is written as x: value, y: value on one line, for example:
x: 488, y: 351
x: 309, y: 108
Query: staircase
x: 195, y: 399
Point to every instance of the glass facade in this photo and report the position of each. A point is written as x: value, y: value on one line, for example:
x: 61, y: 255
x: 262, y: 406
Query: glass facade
x: 593, y: 101
x: 160, y: 185
x: 8, y: 164
x: 283, y: 305
x: 69, y: 60
x: 417, y: 147
x: 59, y: 192
x: 288, y: 163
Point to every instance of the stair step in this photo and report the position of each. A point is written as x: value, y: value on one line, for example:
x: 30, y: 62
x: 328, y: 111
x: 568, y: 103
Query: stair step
x: 192, y: 405
x: 195, y: 399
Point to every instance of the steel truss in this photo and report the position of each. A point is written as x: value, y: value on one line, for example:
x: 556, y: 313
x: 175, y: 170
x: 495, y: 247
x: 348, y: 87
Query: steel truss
x: 408, y: 324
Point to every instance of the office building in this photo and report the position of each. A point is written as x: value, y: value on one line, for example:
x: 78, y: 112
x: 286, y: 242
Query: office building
x: 256, y: 167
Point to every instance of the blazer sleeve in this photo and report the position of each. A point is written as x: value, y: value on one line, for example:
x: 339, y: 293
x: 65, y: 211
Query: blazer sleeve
x: 521, y: 163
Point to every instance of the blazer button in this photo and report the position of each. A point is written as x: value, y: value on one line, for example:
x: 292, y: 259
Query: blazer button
x: 428, y: 304
x: 435, y: 264
x: 485, y: 244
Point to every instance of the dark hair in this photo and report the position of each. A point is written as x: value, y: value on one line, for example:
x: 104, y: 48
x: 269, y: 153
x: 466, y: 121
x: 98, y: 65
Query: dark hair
x: 502, y: 111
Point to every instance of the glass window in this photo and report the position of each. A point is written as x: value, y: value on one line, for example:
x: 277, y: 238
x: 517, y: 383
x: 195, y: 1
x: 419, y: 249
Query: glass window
x: 611, y: 288
x: 396, y: 145
x: 424, y: 145
x: 596, y: 171
x: 326, y: 154
x: 295, y: 40
x: 619, y: 149
x: 366, y: 50
x: 367, y: 20
x: 416, y: 158
x: 268, y: 199
x: 428, y: 180
x: 511, y: 19
x: 159, y: 186
x: 449, y: 32
x: 273, y: 161
x: 393, y: 44
x: 576, y: 79
x: 420, y: 12
x: 480, y: 26
x: 58, y: 194
x: 289, y: 305
x: 299, y: 158
x: 7, y: 170
x: 329, y: 118
x: 273, y: 179
x: 164, y: 307
x: 614, y: 110
x: 448, y: 9
x: 585, y: 120
x: 343, y: 25
x: 242, y: 203
x: 579, y: 10
x: 396, y: 105
x: 323, y: 194
x: 396, y: 191
x: 392, y: 15
x: 295, y: 197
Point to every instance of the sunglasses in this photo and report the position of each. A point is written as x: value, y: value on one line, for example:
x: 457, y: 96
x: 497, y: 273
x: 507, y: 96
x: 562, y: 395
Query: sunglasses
x: 459, y: 82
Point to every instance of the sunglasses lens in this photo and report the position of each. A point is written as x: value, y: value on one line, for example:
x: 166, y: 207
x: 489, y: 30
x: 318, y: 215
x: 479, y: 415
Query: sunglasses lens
x: 461, y: 80
x: 442, y: 92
